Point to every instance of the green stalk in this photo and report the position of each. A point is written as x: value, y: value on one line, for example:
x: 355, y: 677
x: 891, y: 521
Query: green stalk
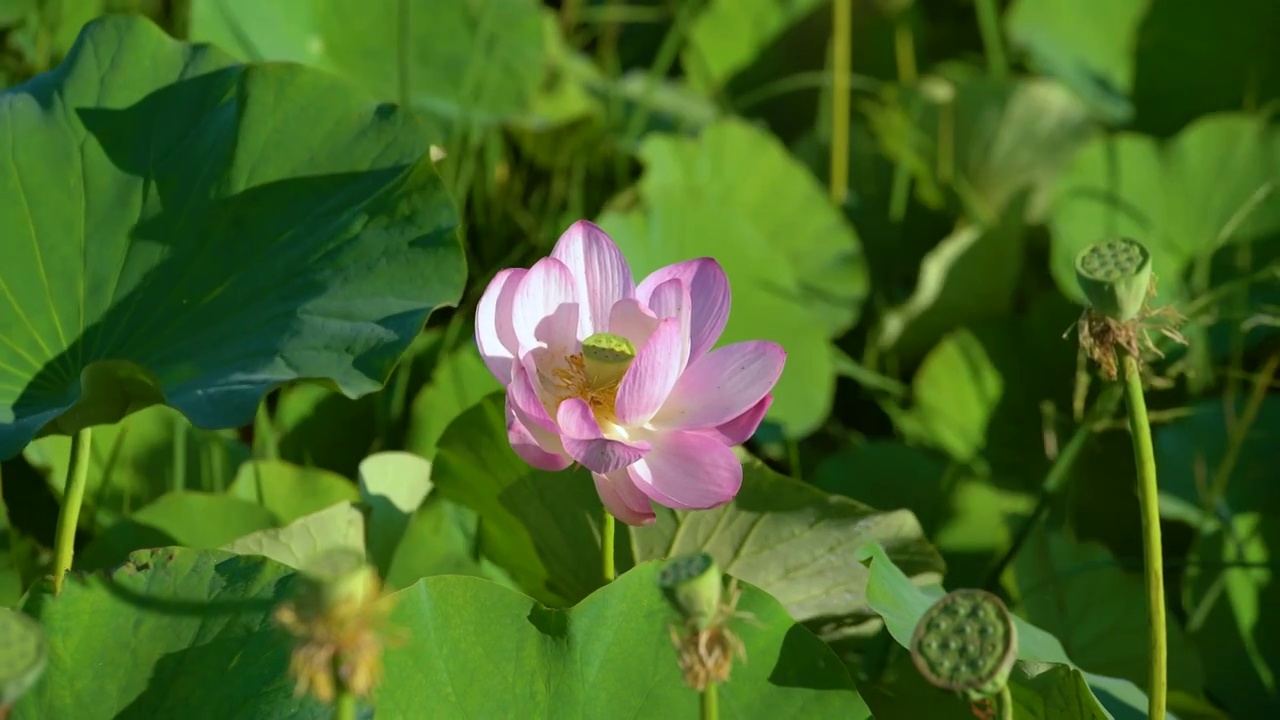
x: 606, y: 547
x: 345, y: 706
x: 989, y: 26
x: 1145, y: 459
x: 64, y: 540
x: 841, y: 53
x: 1005, y: 699
x: 711, y: 702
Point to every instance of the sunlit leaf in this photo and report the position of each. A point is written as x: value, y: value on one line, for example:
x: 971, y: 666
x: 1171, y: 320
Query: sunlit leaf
x: 609, y: 656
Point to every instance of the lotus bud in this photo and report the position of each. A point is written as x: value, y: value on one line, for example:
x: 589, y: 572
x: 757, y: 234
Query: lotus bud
x: 694, y: 585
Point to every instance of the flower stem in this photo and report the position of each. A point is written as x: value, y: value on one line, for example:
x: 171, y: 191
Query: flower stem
x: 64, y: 539
x: 346, y: 705
x: 1144, y: 458
x: 711, y: 702
x: 841, y: 53
x: 1005, y: 699
x: 606, y: 547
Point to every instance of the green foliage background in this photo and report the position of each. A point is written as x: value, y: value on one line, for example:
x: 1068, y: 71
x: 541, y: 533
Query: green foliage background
x: 243, y: 241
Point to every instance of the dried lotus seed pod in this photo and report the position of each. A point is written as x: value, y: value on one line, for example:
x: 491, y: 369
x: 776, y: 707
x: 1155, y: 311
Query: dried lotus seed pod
x: 1114, y: 276
x: 693, y: 584
x: 966, y: 643
x: 23, y: 655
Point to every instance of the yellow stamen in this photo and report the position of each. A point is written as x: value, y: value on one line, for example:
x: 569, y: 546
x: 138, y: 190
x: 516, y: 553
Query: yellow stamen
x: 573, y: 381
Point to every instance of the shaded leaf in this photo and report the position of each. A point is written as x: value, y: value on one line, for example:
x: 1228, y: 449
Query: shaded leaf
x: 319, y: 427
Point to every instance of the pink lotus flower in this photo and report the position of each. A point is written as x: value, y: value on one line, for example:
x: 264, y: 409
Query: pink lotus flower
x: 623, y: 378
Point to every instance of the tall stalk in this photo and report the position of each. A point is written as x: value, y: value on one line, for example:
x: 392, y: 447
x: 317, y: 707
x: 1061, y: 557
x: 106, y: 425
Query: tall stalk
x: 64, y: 539
x: 606, y: 547
x: 841, y: 59
x: 1148, y: 499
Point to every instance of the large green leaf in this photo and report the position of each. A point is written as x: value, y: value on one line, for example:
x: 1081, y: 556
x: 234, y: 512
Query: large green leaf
x: 184, y: 229
x: 1079, y: 593
x: 794, y: 263
x: 289, y: 491
x: 902, y: 603
x: 541, y: 527
x: 172, y: 633
x: 1177, y: 198
x: 610, y: 656
x: 455, y: 59
x: 140, y: 458
x: 792, y: 541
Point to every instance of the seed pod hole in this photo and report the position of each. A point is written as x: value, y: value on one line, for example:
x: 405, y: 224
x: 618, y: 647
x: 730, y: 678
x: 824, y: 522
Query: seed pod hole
x: 1114, y: 276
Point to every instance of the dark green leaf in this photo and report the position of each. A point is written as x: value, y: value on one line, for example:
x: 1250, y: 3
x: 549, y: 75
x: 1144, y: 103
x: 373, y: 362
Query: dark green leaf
x: 193, y: 231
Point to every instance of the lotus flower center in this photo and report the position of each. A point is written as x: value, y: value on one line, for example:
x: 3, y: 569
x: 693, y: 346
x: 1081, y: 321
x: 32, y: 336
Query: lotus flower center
x: 594, y: 374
